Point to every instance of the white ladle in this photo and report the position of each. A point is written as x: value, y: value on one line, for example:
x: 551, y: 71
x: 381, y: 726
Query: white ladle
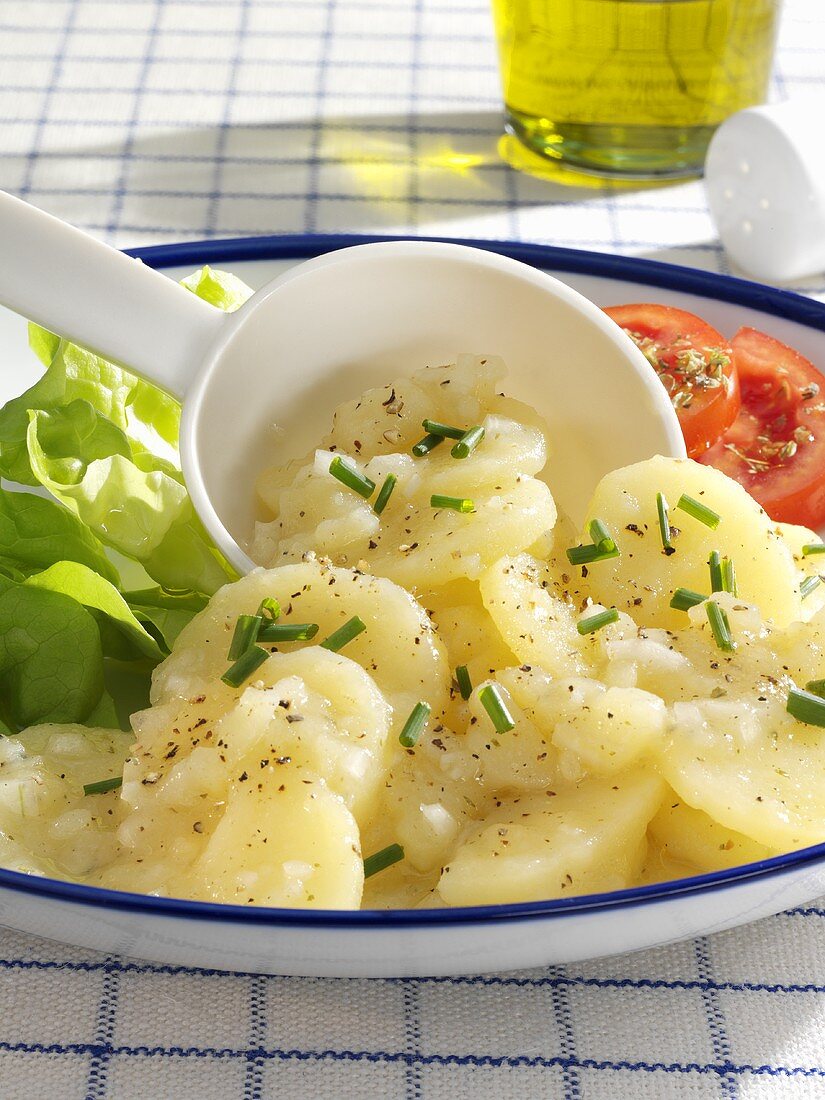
x: 325, y: 331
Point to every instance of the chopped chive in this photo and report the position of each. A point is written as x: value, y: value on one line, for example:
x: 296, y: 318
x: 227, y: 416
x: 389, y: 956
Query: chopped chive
x: 664, y: 521
x: 720, y: 626
x: 287, y: 632
x: 729, y: 577
x: 269, y: 609
x: 597, y: 621
x: 468, y: 442
x: 601, y: 537
x: 816, y: 687
x: 806, y: 707
x: 585, y: 555
x: 427, y: 444
x: 245, y: 665
x: 246, y: 634
x: 491, y: 699
x: 103, y: 785
x: 684, y: 599
x: 715, y: 566
x: 465, y: 684
x: 380, y: 861
x: 384, y: 494
x: 699, y: 511
x: 414, y: 726
x: 813, y: 548
x: 346, y: 473
x: 446, y: 430
x: 808, y: 585
x: 456, y: 504
x: 339, y: 638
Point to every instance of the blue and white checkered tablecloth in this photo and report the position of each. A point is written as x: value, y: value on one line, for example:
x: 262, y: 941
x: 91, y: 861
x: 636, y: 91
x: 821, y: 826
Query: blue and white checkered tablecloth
x: 158, y: 120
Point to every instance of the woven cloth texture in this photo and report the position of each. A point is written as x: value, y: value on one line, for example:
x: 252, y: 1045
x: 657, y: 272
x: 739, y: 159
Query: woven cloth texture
x: 147, y: 121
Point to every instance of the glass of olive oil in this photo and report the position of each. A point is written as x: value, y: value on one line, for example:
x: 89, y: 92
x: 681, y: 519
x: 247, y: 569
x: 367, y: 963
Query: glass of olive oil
x: 631, y: 87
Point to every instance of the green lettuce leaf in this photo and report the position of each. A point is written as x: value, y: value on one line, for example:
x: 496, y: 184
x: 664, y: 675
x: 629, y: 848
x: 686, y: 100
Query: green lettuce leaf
x: 97, y: 594
x: 219, y: 288
x: 51, y: 662
x: 135, y: 503
x: 35, y: 532
x: 147, y: 417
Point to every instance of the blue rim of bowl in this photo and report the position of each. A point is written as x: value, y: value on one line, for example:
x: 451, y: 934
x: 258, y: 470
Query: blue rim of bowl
x: 780, y: 303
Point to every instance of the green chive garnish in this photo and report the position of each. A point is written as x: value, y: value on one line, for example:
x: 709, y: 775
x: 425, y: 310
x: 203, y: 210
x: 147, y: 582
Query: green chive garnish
x: 384, y: 494
x: 808, y: 585
x: 352, y: 478
x: 445, y: 430
x: 816, y: 687
x: 813, y: 548
x: 339, y: 638
x: 720, y: 626
x: 380, y: 861
x: 468, y: 442
x: 425, y: 445
x: 806, y: 707
x: 462, y: 677
x: 270, y: 608
x: 456, y: 504
x: 664, y: 521
x: 601, y: 537
x: 597, y: 621
x: 103, y: 785
x: 287, y: 632
x: 715, y: 565
x: 699, y: 511
x: 684, y: 599
x: 491, y: 699
x: 414, y: 726
x: 245, y: 665
x: 729, y: 577
x: 246, y: 634
x: 586, y: 555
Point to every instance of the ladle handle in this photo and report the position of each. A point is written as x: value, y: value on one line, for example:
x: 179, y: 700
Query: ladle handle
x: 97, y: 297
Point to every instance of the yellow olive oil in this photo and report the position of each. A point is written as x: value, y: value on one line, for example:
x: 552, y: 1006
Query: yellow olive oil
x: 633, y: 87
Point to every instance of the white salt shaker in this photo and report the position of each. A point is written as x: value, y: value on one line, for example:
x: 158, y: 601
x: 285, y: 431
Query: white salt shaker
x: 765, y: 178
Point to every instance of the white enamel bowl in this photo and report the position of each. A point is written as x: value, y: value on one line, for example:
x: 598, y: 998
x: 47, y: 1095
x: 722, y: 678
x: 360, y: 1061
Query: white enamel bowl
x: 432, y: 942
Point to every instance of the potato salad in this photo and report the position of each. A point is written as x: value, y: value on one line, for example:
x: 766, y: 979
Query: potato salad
x: 435, y: 691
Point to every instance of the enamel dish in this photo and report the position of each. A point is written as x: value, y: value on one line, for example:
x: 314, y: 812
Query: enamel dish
x: 449, y: 941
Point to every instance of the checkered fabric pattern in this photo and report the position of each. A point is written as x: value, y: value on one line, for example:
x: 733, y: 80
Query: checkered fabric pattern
x: 158, y: 120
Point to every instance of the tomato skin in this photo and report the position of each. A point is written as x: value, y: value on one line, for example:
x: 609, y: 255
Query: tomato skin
x: 781, y: 404
x: 664, y: 333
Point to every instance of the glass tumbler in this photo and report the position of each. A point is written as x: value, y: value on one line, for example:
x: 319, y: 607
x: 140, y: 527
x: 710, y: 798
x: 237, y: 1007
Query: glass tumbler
x: 631, y: 88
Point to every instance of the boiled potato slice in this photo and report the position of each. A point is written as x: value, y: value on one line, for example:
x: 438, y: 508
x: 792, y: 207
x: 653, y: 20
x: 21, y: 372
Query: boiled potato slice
x: 399, y: 648
x: 751, y: 767
x: 642, y: 580
x: 582, y: 840
x: 811, y: 565
x: 680, y: 832
x: 536, y: 623
x: 294, y: 845
x: 411, y: 542
x: 619, y: 728
x: 47, y: 824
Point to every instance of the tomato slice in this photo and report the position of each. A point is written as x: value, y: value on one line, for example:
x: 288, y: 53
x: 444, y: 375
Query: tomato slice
x: 776, y: 447
x: 695, y: 364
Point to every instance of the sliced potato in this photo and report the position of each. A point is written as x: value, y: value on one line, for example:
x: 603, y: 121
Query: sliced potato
x: 294, y: 845
x: 536, y: 623
x: 680, y: 832
x: 399, y: 648
x: 642, y: 580
x: 582, y: 840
